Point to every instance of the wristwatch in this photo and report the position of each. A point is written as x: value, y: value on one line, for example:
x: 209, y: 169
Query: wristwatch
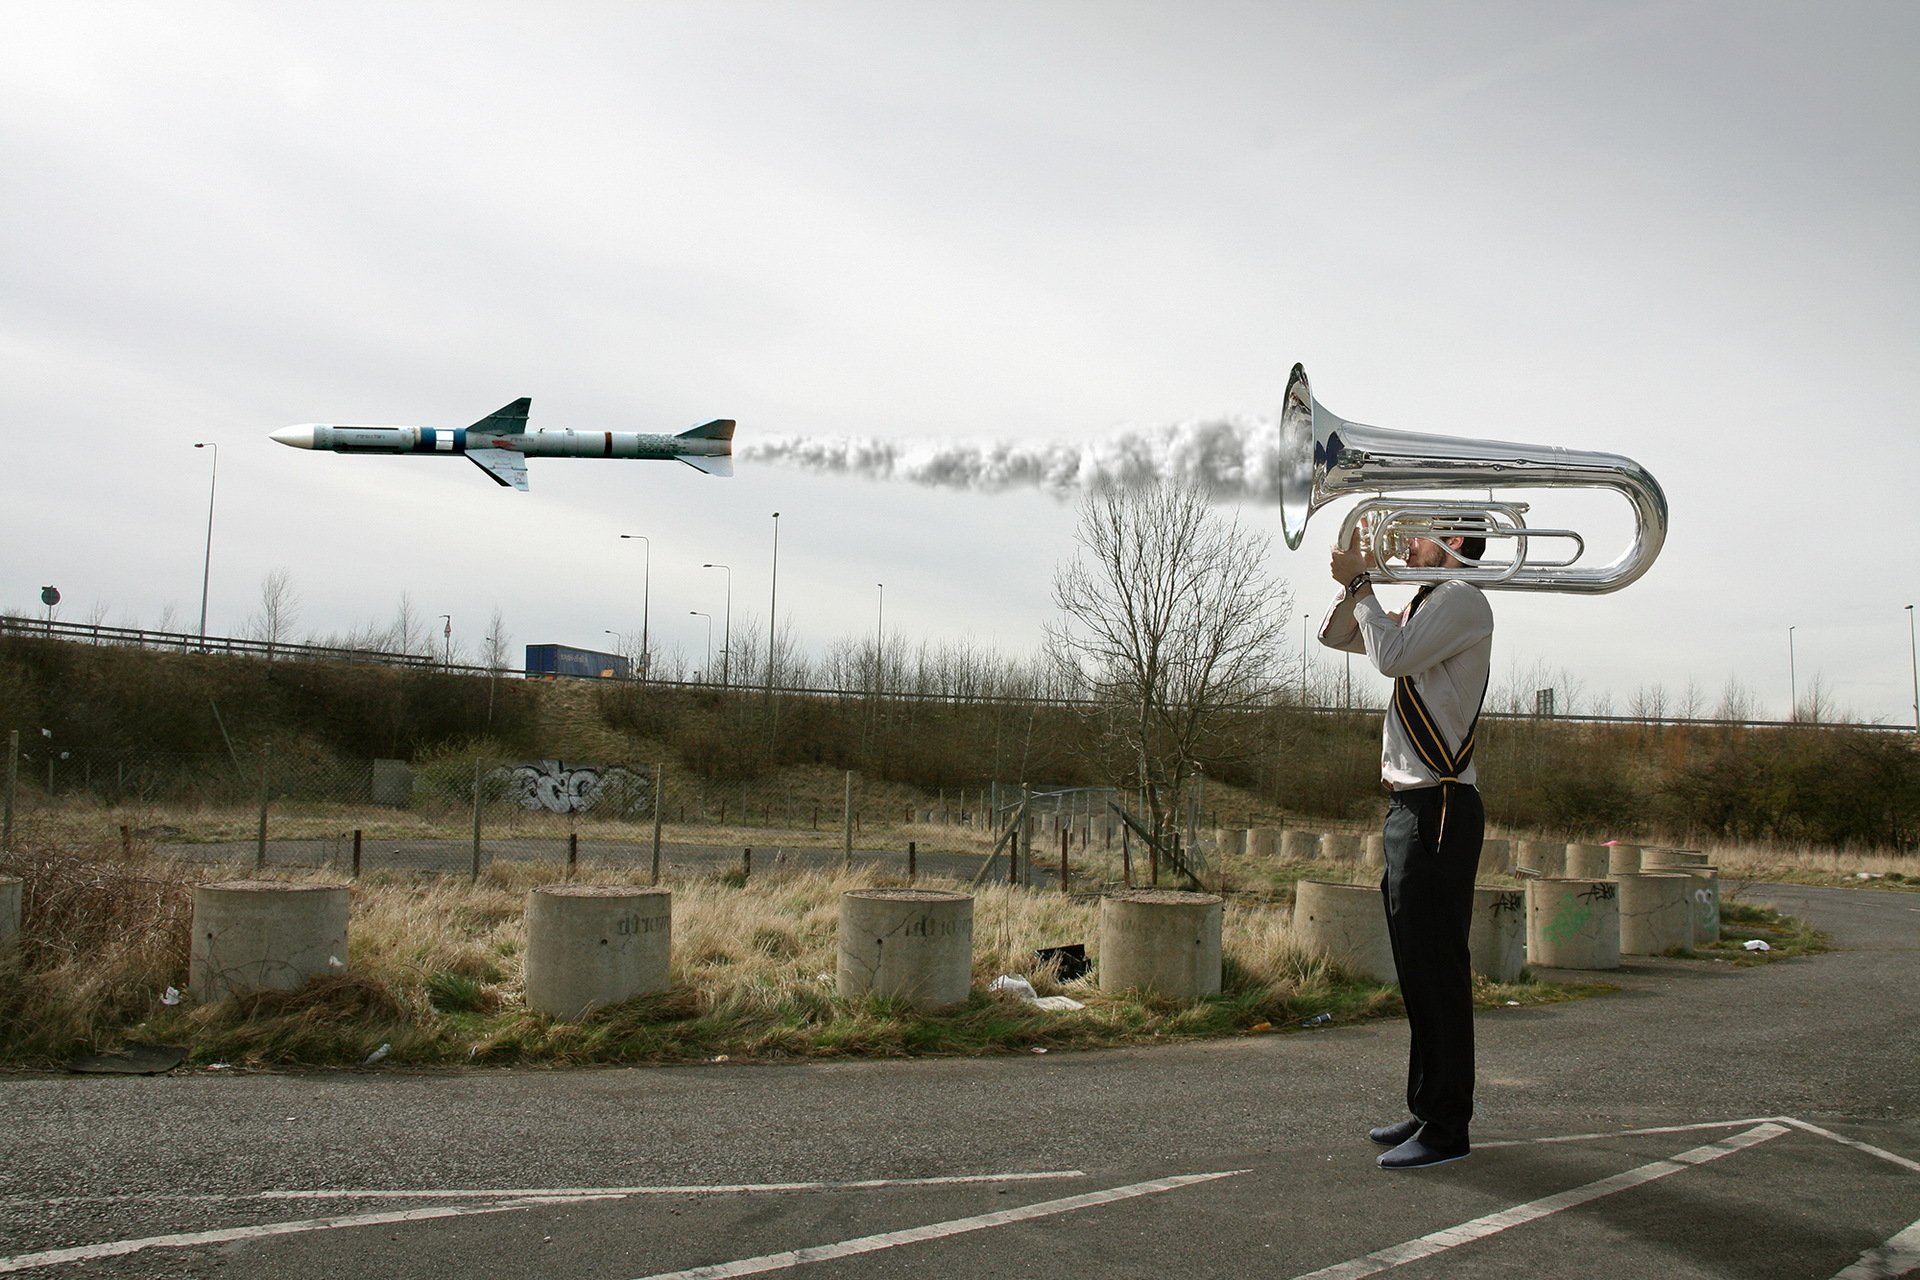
x: 1359, y: 580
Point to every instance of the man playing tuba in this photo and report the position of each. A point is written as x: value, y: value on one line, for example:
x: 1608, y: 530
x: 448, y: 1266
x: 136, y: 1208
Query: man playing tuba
x: 1437, y: 653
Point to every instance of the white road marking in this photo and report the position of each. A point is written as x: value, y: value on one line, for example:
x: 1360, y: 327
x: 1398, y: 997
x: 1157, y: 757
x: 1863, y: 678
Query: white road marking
x: 1494, y: 1223
x: 503, y: 1201
x: 481, y: 1193
x: 1856, y: 1144
x: 187, y: 1239
x: 1629, y: 1133
x: 1896, y: 1257
x: 934, y: 1231
x: 484, y: 1193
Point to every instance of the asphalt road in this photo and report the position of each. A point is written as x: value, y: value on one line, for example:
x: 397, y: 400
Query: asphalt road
x: 1705, y: 1121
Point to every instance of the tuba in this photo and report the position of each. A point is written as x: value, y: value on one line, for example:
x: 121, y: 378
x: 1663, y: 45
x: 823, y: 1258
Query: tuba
x: 1324, y: 457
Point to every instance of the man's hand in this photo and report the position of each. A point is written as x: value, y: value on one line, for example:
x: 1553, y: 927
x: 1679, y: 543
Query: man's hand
x: 1350, y: 560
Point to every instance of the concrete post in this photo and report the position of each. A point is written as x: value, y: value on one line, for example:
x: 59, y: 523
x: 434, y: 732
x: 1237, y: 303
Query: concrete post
x: 1586, y: 862
x: 1496, y: 857
x: 1706, y: 904
x: 264, y: 935
x: 1623, y: 859
x: 1264, y: 842
x: 1347, y: 923
x: 591, y: 946
x: 1656, y: 913
x: 1338, y: 846
x: 914, y: 945
x: 1497, y: 939
x: 1573, y: 924
x: 1162, y: 940
x: 1299, y: 846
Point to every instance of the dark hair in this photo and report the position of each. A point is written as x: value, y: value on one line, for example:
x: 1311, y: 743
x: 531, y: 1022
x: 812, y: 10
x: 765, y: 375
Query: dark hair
x: 1472, y: 548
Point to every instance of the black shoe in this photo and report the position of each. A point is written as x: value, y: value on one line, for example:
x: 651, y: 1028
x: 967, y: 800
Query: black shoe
x: 1418, y: 1152
x: 1392, y: 1135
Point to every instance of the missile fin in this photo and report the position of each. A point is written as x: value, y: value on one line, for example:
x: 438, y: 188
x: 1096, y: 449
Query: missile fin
x: 503, y: 466
x: 718, y: 429
x: 510, y: 421
x: 720, y: 466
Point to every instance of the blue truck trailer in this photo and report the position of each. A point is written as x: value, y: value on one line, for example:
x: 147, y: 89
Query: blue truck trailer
x: 552, y: 660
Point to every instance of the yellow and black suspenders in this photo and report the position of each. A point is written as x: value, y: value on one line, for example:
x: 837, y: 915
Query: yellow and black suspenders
x: 1447, y: 763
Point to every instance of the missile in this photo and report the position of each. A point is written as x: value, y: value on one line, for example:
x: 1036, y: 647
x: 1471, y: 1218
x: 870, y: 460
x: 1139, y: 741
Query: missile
x: 501, y: 444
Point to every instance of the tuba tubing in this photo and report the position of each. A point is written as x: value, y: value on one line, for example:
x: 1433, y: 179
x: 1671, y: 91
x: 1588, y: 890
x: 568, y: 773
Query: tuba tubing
x: 1324, y: 457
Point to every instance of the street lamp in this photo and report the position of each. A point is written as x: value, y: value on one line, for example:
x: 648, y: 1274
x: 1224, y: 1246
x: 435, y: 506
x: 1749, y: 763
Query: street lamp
x: 646, y: 586
x: 726, y: 643
x: 446, y: 635
x: 773, y: 597
x: 879, y: 635
x: 695, y: 613
x: 1793, y: 682
x: 206, y: 569
x: 1915, y: 664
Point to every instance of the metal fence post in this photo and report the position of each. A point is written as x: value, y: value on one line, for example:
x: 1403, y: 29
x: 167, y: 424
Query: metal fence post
x: 356, y: 853
x: 659, y: 800
x: 846, y: 827
x: 13, y: 785
x: 260, y: 847
x: 475, y: 878
x: 912, y: 859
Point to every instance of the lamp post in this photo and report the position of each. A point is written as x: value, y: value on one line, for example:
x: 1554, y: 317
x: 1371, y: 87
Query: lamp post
x: 726, y: 641
x: 446, y: 637
x: 646, y: 586
x: 708, y: 669
x: 617, y: 646
x: 1793, y: 682
x: 773, y: 598
x: 1915, y: 664
x: 879, y: 635
x: 206, y: 568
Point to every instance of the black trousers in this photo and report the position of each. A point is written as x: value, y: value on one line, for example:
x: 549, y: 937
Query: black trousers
x: 1433, y: 839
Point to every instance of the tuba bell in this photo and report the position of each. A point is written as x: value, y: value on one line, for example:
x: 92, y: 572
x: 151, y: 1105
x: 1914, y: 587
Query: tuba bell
x: 1323, y: 457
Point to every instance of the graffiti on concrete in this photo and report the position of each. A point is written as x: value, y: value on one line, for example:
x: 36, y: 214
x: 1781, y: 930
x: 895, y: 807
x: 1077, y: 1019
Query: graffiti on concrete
x: 558, y: 787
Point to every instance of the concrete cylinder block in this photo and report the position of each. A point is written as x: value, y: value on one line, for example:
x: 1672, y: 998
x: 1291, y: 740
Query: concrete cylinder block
x: 1656, y: 913
x: 1299, y: 846
x: 1573, y: 924
x: 1376, y: 854
x: 1548, y: 857
x: 9, y: 910
x: 914, y: 945
x: 1264, y: 842
x: 590, y: 946
x: 1229, y: 841
x: 1496, y: 858
x: 264, y: 935
x: 1348, y: 924
x: 1338, y: 846
x: 1623, y: 859
x: 1650, y: 858
x: 1706, y: 904
x: 1497, y: 940
x: 1586, y: 862
x: 1162, y: 940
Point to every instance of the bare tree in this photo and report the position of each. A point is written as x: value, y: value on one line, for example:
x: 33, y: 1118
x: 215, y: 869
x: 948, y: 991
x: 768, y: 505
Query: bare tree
x: 496, y: 642
x: 279, y: 610
x: 1169, y: 619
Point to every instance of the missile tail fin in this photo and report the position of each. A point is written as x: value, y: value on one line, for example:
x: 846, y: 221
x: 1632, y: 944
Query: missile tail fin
x: 720, y: 466
x: 718, y: 429
x: 503, y: 466
x: 510, y: 421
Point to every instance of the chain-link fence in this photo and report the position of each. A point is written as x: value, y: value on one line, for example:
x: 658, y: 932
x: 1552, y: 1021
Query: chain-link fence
x: 455, y: 813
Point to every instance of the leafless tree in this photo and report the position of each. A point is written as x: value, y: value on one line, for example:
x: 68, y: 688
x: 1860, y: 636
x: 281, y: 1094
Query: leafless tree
x: 279, y: 610
x: 496, y: 642
x: 1168, y: 619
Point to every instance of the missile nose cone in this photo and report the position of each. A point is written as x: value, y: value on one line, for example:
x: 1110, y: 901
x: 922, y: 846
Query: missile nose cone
x: 300, y: 437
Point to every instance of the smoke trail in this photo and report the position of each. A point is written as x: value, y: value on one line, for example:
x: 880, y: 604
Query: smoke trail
x: 1232, y: 459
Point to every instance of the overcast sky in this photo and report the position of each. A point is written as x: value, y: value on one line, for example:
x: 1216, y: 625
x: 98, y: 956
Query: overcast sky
x: 1681, y: 232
